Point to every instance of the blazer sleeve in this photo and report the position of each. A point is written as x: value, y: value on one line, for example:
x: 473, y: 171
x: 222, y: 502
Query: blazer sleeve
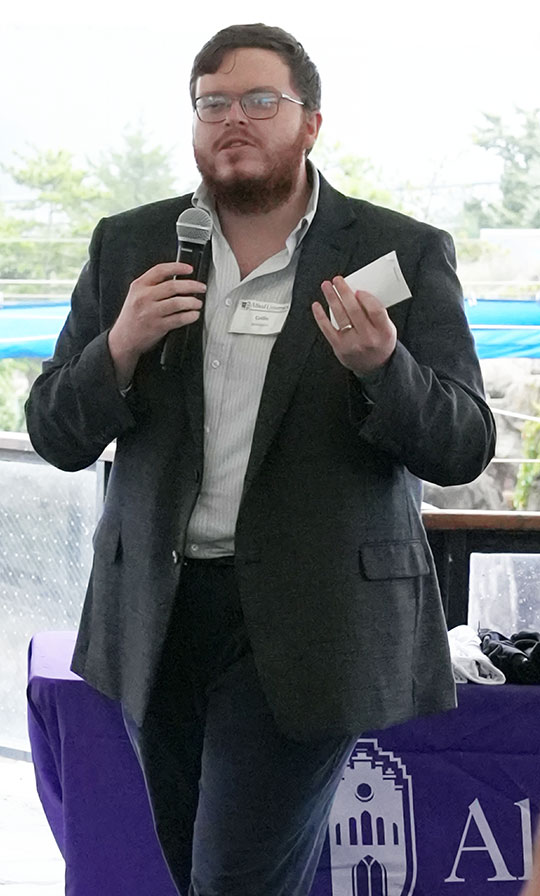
x: 75, y: 408
x: 429, y: 410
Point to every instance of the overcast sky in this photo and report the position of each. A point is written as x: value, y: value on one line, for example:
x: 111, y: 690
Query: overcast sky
x: 403, y: 83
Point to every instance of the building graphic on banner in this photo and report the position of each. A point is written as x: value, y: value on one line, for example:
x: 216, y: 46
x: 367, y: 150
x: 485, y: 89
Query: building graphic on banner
x: 371, y: 826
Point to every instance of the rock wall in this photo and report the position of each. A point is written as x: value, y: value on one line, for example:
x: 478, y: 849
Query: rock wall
x: 512, y: 385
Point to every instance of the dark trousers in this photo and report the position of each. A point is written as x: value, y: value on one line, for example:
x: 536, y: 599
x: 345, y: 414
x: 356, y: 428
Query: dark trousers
x: 239, y: 809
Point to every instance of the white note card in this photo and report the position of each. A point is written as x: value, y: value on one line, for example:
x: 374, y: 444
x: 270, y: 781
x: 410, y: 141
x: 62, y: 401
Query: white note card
x: 382, y: 278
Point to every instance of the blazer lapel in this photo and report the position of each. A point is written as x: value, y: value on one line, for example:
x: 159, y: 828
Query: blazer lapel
x: 325, y: 251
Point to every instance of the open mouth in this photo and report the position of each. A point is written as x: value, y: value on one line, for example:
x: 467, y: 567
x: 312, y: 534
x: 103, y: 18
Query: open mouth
x: 234, y: 143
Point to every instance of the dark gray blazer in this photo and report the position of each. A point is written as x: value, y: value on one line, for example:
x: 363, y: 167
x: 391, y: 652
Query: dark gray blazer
x: 336, y: 578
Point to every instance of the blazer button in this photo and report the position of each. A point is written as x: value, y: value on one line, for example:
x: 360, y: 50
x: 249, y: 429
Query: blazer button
x: 176, y: 557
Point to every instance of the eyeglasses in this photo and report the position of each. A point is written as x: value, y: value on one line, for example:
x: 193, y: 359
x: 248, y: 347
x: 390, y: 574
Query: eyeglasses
x: 258, y: 104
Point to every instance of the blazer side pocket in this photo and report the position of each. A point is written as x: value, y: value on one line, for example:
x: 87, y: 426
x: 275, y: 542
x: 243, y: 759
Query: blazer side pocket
x: 393, y: 560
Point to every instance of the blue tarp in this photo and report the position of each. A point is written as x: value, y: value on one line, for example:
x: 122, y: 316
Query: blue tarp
x: 31, y: 331
x: 501, y: 328
x: 505, y: 328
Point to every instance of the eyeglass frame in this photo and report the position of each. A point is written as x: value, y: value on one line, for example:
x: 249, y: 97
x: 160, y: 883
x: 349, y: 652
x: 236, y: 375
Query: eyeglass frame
x: 235, y: 97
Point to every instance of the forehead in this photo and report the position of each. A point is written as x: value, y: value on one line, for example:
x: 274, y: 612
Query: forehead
x: 245, y: 68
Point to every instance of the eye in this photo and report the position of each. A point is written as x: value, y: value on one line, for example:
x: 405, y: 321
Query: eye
x: 261, y: 100
x: 213, y: 102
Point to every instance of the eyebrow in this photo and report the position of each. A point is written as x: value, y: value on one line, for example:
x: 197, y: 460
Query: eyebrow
x: 241, y: 93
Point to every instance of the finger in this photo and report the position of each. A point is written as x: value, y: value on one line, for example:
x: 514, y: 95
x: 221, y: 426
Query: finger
x: 378, y: 322
x: 327, y: 329
x: 335, y: 303
x: 373, y: 308
x: 169, y: 288
x: 175, y: 321
x: 164, y: 271
x: 353, y: 303
x: 179, y: 305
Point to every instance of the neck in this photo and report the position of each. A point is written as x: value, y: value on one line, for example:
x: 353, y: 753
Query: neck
x: 254, y: 237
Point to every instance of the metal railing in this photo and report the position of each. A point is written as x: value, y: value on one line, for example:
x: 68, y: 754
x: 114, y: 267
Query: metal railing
x: 46, y: 519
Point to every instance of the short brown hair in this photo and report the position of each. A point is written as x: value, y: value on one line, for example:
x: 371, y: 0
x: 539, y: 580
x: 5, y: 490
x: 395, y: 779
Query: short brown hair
x: 304, y: 74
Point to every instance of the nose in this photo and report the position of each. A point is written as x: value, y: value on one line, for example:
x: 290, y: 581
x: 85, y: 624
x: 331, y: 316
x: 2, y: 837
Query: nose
x: 236, y: 114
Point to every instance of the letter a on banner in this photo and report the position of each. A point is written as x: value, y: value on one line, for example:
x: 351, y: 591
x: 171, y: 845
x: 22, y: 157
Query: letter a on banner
x: 490, y: 846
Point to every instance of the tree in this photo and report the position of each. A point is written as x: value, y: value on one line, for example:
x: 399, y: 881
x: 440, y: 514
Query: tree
x: 518, y: 146
x: 61, y: 190
x: 16, y: 377
x: 47, y: 236
x: 133, y: 175
x: 65, y: 200
x: 528, y: 473
x: 54, y: 222
x: 13, y: 247
x: 352, y: 174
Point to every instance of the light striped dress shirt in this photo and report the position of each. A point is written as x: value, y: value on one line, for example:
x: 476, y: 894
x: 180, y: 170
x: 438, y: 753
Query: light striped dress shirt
x: 234, y: 372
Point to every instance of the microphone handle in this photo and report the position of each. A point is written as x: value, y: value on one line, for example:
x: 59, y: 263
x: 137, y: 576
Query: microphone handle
x: 175, y: 344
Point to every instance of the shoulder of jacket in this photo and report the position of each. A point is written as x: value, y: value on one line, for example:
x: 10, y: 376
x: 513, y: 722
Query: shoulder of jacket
x: 389, y: 217
x: 145, y: 215
x: 378, y: 217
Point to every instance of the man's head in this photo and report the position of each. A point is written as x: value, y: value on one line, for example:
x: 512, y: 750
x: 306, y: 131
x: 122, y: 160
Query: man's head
x: 251, y: 163
x: 304, y: 75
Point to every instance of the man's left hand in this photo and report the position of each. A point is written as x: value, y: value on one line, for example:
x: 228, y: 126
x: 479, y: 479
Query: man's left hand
x: 366, y: 336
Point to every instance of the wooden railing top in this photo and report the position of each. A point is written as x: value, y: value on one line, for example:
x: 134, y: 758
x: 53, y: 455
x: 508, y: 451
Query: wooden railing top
x: 510, y: 520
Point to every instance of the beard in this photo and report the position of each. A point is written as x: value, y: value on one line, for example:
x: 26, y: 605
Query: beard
x: 249, y: 195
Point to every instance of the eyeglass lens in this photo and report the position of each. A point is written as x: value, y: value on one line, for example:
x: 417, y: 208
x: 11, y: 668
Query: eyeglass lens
x: 255, y: 104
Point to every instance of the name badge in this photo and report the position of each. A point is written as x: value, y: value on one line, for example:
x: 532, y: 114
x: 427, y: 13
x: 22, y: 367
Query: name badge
x: 259, y: 318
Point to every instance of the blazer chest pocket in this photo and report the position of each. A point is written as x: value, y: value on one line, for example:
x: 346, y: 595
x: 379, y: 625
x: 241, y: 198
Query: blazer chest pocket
x: 393, y: 560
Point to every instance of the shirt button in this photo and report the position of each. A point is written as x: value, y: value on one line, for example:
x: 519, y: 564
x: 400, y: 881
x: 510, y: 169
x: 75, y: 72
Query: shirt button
x: 228, y: 302
x: 215, y: 363
x: 194, y: 548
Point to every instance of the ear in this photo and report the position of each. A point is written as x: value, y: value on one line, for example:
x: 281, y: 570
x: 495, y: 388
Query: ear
x: 313, y: 126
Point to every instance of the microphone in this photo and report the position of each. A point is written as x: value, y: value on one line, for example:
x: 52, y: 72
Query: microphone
x: 193, y: 229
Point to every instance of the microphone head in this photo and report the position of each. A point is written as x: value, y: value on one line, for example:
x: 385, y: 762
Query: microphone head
x: 194, y: 226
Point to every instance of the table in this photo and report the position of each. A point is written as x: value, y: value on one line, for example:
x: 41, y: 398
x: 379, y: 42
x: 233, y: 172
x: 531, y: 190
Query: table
x: 89, y: 780
x: 442, y: 806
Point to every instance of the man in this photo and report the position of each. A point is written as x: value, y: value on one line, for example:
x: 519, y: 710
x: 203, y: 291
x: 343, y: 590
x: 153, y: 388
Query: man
x: 262, y: 589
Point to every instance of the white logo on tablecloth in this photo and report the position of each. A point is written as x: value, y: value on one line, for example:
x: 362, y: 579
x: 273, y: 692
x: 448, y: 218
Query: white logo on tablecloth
x: 371, y: 826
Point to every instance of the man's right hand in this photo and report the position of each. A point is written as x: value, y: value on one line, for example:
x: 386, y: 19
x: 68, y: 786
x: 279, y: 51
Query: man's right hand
x: 154, y: 305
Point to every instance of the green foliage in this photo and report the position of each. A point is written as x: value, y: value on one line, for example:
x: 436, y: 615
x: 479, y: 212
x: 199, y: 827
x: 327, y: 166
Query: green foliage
x: 132, y: 176
x: 528, y: 472
x: 53, y: 225
x: 471, y: 249
x: 48, y: 236
x: 16, y: 377
x: 517, y: 144
x: 61, y: 190
x: 352, y: 174
x: 14, y: 248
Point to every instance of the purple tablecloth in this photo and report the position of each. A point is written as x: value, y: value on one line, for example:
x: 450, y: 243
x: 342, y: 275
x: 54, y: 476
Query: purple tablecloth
x: 437, y: 807
x: 89, y: 781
